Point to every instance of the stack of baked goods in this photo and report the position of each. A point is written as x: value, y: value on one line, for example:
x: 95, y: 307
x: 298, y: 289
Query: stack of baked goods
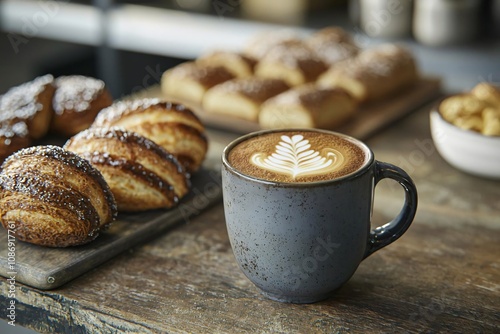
x: 134, y: 156
x: 283, y: 80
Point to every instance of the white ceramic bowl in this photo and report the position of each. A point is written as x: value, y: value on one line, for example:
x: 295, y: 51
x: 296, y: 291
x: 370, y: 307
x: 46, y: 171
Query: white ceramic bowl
x: 466, y: 150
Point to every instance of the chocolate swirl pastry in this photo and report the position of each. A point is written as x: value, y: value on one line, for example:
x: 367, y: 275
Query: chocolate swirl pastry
x: 77, y: 101
x: 141, y: 174
x: 53, y: 197
x: 171, y: 125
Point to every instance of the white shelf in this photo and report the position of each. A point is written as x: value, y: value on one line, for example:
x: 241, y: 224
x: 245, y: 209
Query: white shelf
x: 130, y: 27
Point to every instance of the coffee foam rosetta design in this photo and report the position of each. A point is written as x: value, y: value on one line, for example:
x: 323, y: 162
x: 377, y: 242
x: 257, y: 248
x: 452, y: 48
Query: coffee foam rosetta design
x: 294, y: 157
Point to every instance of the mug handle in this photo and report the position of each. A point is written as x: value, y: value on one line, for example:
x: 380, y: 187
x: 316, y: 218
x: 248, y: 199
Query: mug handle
x: 390, y: 232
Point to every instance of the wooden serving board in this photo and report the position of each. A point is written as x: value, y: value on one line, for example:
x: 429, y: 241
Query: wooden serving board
x: 48, y: 268
x: 367, y: 120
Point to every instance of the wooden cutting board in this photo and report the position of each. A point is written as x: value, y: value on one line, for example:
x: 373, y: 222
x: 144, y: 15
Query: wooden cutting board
x: 49, y: 268
x: 367, y: 120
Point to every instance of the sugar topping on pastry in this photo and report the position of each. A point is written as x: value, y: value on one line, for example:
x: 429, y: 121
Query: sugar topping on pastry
x: 76, y: 93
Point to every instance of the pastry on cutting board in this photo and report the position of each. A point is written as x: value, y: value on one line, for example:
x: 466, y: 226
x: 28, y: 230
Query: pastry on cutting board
x: 374, y: 74
x: 295, y: 64
x: 52, y: 197
x: 140, y: 174
x: 308, y: 106
x: 242, y: 98
x: 239, y: 64
x: 189, y: 81
x: 171, y: 125
x: 77, y: 101
x: 30, y: 103
x: 332, y: 44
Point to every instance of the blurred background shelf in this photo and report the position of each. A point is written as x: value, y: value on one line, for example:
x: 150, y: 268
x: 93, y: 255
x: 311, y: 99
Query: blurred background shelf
x: 129, y: 45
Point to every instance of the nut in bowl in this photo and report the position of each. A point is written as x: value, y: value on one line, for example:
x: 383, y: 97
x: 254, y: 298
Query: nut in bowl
x: 466, y: 131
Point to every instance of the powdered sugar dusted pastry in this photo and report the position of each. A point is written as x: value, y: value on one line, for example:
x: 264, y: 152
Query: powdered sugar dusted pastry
x: 52, y: 197
x: 295, y: 64
x: 171, y: 125
x: 189, y: 81
x: 77, y: 101
x: 374, y: 73
x: 31, y: 103
x: 240, y: 65
x: 242, y: 98
x: 332, y: 45
x: 307, y: 106
x: 14, y: 136
x: 141, y: 174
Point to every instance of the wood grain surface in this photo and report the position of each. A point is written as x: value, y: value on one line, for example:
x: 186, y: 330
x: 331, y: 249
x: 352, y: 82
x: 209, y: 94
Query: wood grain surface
x: 442, y: 276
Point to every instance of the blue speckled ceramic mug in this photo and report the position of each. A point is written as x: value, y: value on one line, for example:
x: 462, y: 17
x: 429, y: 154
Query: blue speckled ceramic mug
x: 298, y: 209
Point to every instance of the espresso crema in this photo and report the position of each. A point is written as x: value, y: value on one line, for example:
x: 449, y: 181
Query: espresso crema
x: 297, y: 156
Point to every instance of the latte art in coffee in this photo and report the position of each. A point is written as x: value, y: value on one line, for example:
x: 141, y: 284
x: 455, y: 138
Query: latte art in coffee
x: 294, y: 156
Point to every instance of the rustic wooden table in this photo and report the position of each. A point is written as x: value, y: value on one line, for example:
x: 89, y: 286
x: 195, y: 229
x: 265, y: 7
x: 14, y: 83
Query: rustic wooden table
x: 442, y: 276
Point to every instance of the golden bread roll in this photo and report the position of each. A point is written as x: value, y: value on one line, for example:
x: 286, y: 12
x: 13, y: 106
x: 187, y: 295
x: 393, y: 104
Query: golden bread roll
x: 259, y: 45
x: 491, y: 122
x: 488, y: 93
x: 14, y: 135
x: 295, y: 64
x: 374, y: 74
x: 52, y: 197
x: 189, y: 81
x: 141, y: 174
x: 77, y: 101
x: 332, y: 45
x: 307, y: 106
x: 240, y: 65
x: 171, y: 125
x: 242, y: 98
x: 469, y: 112
x: 31, y: 103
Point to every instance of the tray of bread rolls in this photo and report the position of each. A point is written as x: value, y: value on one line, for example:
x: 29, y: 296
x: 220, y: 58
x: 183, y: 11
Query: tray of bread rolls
x: 282, y: 80
x: 84, y: 178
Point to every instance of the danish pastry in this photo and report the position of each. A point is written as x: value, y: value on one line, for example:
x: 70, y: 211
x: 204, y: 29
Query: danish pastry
x: 52, y: 197
x: 171, y: 125
x: 189, y: 81
x: 374, y: 74
x: 77, y: 100
x: 31, y: 103
x: 308, y: 106
x: 141, y: 174
x: 242, y: 98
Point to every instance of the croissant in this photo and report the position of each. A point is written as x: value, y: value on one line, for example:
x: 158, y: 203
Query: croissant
x: 52, y: 197
x: 141, y: 174
x: 171, y: 125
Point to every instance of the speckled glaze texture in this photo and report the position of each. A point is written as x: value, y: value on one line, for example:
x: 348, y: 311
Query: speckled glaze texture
x: 299, y: 242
